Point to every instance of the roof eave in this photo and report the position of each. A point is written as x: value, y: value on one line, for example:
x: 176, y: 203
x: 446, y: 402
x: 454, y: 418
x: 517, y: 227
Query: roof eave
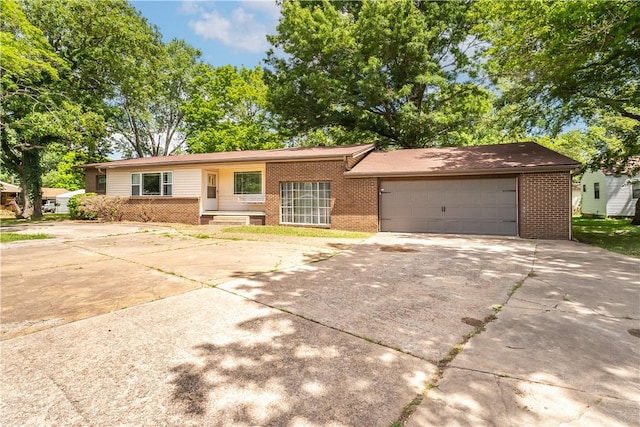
x: 463, y: 172
x: 252, y: 159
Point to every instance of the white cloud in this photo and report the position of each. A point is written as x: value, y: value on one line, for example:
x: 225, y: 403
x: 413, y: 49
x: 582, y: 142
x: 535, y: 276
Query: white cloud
x: 242, y: 29
x: 268, y: 7
x: 191, y: 7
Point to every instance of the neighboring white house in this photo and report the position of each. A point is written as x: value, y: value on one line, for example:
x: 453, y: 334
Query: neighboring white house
x: 62, y: 201
x: 605, y: 194
x: 576, y: 197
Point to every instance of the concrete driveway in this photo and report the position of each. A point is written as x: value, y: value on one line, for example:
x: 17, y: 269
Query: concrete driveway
x: 354, y: 340
x: 90, y: 269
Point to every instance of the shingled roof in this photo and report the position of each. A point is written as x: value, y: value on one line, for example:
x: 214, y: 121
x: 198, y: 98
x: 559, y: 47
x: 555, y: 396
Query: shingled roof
x: 476, y: 160
x: 284, y: 154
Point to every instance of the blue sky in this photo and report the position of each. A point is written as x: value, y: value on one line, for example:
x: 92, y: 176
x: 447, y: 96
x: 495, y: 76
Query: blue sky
x: 227, y: 32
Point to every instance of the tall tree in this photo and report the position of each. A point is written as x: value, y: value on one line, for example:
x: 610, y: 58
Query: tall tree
x: 150, y: 121
x: 228, y: 111
x: 558, y: 62
x: 28, y: 65
x: 393, y: 72
x: 64, y: 64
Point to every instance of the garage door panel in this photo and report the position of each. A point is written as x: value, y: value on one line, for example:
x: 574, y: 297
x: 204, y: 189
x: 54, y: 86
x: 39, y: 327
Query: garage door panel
x: 469, y: 206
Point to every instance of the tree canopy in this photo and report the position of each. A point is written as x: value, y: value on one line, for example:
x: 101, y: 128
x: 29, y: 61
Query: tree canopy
x: 150, y: 119
x: 228, y: 111
x: 558, y: 62
x: 390, y: 72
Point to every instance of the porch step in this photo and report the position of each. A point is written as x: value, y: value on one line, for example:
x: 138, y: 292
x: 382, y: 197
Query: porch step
x: 230, y: 220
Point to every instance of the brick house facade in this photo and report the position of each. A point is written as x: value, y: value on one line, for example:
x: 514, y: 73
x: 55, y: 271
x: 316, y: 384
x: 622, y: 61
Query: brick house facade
x: 340, y: 187
x: 354, y: 202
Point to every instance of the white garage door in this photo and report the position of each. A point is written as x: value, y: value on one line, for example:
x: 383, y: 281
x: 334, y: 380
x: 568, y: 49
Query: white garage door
x: 464, y: 206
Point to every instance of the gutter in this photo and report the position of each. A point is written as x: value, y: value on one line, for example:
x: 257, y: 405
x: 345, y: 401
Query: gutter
x: 468, y: 172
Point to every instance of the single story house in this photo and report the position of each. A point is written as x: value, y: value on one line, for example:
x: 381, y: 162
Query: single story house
x: 605, y: 194
x: 49, y: 194
x: 519, y: 189
x: 62, y: 200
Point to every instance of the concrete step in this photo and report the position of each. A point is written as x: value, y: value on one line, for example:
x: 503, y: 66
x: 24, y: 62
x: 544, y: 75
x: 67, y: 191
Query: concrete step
x: 230, y: 220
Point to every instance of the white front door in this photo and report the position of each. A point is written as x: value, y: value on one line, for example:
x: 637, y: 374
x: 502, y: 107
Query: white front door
x: 211, y: 192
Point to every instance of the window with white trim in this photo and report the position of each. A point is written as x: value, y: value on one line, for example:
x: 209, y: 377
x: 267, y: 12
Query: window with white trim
x: 152, y: 184
x: 247, y: 182
x: 307, y: 203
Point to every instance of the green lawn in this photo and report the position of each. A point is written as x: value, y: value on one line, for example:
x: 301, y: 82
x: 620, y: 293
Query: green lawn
x: 7, y: 221
x: 296, y: 231
x: 12, y: 237
x: 617, y: 235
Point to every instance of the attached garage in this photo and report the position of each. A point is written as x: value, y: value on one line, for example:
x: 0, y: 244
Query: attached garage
x: 460, y: 206
x: 520, y: 189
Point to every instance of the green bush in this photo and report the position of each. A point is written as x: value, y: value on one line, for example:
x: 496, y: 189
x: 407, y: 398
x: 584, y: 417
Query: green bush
x: 77, y: 209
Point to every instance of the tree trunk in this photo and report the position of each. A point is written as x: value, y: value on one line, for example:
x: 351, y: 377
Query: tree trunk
x: 25, y: 209
x: 636, y: 217
x: 33, y: 180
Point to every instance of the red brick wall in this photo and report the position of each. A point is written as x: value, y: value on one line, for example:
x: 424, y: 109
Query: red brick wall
x: 354, y: 202
x: 545, y: 205
x: 184, y: 210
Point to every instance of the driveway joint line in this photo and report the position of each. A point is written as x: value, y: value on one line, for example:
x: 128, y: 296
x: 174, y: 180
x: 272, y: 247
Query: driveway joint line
x: 446, y: 361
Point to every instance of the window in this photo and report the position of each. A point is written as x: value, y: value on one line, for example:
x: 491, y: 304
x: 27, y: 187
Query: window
x: 247, y: 182
x: 305, y: 203
x: 167, y: 183
x: 152, y: 184
x: 101, y: 184
x: 635, y: 188
x: 584, y: 188
x: 596, y: 190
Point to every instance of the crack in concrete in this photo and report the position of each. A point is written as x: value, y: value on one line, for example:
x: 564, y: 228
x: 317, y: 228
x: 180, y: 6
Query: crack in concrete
x: 593, y: 312
x: 445, y: 363
x: 512, y: 377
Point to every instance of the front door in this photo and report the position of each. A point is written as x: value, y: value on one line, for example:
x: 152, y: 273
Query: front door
x: 211, y: 199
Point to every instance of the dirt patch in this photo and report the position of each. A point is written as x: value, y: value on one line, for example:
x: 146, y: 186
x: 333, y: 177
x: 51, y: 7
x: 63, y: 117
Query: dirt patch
x: 397, y: 248
x: 476, y: 323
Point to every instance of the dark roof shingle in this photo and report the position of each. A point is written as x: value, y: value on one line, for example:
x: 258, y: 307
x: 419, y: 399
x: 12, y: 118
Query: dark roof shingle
x: 484, y: 159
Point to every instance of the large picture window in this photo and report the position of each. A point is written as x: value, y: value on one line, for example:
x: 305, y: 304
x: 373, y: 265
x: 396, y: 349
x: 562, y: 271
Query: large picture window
x: 305, y: 203
x: 247, y: 182
x: 152, y: 184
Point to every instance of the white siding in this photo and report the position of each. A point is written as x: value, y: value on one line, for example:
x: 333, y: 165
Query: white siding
x: 187, y: 183
x: 576, y: 198
x: 228, y: 201
x: 191, y: 182
x: 620, y: 201
x: 118, y: 183
x: 591, y: 205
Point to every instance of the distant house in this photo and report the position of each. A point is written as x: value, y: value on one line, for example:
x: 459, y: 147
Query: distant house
x: 605, y: 194
x: 9, y: 196
x: 62, y: 200
x: 519, y: 189
x: 576, y: 197
x: 50, y: 194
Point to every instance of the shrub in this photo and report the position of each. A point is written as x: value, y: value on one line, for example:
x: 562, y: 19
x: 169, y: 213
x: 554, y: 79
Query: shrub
x: 92, y: 206
x: 76, y: 206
